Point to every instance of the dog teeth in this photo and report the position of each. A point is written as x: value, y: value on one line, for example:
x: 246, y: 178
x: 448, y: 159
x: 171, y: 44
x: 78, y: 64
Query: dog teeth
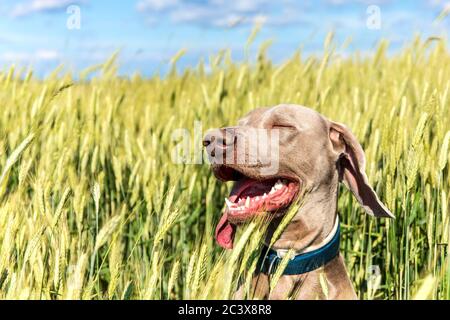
x: 247, y: 202
x: 278, y: 185
x: 229, y: 203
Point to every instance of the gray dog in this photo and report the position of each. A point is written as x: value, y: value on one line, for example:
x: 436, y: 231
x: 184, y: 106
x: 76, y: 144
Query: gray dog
x: 314, y: 154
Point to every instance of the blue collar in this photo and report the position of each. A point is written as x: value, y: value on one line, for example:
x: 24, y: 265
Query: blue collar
x: 301, y: 263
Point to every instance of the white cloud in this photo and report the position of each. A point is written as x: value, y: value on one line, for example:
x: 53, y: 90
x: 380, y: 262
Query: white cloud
x: 34, y: 6
x: 242, y: 5
x: 352, y: 2
x: 193, y: 14
x: 446, y: 5
x: 215, y: 13
x: 156, y: 5
x: 47, y: 55
x: 435, y: 3
x: 442, y: 4
x: 12, y: 56
x: 230, y: 20
x: 38, y: 55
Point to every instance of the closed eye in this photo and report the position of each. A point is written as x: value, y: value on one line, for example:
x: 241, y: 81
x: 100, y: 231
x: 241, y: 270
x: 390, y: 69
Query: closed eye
x: 282, y: 126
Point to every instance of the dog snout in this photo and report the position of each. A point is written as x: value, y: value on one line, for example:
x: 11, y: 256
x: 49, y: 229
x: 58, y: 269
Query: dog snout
x: 219, y: 140
x: 209, y: 138
x: 220, y: 137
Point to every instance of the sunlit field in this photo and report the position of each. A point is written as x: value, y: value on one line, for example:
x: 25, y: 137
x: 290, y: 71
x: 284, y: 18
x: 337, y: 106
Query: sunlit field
x: 93, y: 207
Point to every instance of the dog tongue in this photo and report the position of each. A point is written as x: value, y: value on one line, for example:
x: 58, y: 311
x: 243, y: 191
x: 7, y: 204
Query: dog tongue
x: 225, y: 231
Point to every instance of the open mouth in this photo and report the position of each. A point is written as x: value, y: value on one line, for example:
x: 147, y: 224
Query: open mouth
x: 250, y: 197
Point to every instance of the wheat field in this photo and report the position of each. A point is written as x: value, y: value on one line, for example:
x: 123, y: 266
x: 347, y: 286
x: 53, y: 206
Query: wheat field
x: 92, y: 206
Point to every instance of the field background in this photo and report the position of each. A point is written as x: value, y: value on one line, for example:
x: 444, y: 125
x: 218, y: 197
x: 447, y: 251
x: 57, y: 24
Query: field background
x: 92, y: 207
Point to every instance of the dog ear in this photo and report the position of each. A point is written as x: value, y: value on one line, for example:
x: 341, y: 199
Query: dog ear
x: 351, y: 166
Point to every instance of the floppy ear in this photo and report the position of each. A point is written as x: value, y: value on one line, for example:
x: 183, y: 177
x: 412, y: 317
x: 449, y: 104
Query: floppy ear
x: 351, y: 166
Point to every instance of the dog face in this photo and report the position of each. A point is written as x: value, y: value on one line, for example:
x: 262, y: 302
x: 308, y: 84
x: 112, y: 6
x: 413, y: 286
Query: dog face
x: 274, y: 153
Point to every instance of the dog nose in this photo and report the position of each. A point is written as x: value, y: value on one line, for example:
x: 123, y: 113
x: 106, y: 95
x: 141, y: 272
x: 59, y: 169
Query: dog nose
x: 221, y: 137
x: 209, y: 138
x: 219, y: 141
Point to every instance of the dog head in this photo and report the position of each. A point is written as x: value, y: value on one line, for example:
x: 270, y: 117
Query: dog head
x: 274, y: 153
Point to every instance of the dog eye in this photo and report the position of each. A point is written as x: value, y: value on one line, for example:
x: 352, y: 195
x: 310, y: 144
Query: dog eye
x: 282, y: 126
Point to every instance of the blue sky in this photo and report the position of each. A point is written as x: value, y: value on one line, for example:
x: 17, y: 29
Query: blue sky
x: 149, y: 32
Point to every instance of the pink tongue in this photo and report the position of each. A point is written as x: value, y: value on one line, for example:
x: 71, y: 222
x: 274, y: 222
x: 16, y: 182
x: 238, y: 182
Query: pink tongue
x: 225, y: 231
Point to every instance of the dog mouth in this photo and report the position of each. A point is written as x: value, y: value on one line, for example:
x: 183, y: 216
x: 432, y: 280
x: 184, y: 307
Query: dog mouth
x: 250, y: 197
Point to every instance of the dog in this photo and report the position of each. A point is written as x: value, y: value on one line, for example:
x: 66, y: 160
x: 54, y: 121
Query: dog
x: 314, y: 154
